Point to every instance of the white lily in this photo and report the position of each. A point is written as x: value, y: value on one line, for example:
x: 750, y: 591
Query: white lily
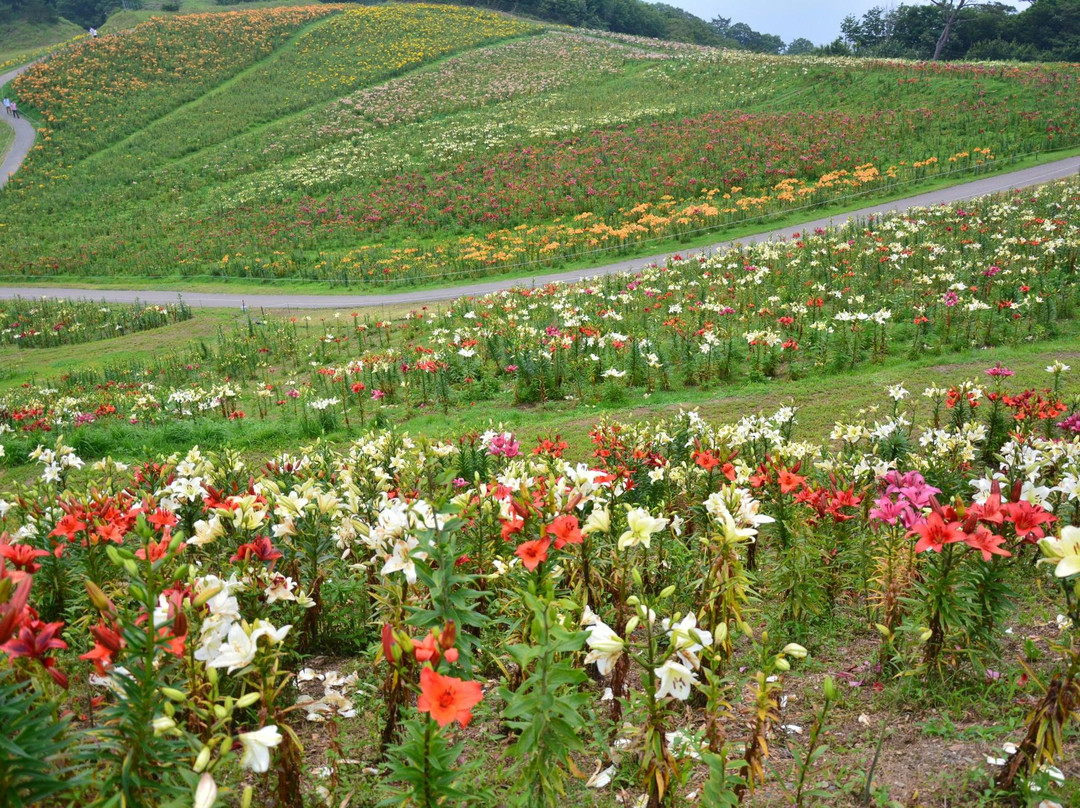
x: 675, y: 680
x: 605, y: 647
x: 641, y: 527
x: 257, y: 746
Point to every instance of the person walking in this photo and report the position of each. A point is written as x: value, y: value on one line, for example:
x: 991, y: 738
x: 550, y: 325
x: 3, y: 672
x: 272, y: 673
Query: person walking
x: 14, y: 109
x: 7, y: 105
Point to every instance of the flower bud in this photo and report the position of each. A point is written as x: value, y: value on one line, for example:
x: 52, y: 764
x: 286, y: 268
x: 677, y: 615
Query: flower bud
x: 831, y: 692
x: 206, y: 792
x: 667, y: 591
x: 248, y: 699
x: 448, y: 635
x: 162, y: 725
x: 925, y: 635
x: 633, y: 600
x: 97, y: 597
x: 720, y: 633
x: 635, y: 573
x: 793, y: 649
x: 245, y: 801
x: 173, y: 693
x: 203, y: 759
x: 883, y: 630
x: 632, y: 624
x: 206, y: 595
x: 782, y: 664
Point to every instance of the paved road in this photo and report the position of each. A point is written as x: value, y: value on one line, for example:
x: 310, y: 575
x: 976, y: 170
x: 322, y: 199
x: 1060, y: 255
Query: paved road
x: 24, y: 134
x: 991, y: 184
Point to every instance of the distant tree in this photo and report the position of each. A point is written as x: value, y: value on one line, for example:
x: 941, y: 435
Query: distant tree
x: 951, y: 9
x: 838, y: 47
x: 800, y: 47
x: 746, y: 37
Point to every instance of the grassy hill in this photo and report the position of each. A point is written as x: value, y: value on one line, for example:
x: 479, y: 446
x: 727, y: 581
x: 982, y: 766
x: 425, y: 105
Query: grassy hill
x: 21, y: 39
x: 405, y: 143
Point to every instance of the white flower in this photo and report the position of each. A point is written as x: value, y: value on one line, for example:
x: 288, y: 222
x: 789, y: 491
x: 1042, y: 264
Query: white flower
x: 238, y: 651
x: 600, y: 778
x: 401, y: 561
x: 687, y: 639
x: 605, y: 647
x: 257, y: 746
x: 206, y: 792
x: 280, y: 589
x: 599, y: 521
x: 640, y: 528
x: 264, y: 628
x: 675, y: 680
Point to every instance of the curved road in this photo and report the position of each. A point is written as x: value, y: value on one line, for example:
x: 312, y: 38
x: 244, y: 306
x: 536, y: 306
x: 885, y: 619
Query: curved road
x: 957, y: 193
x: 24, y: 134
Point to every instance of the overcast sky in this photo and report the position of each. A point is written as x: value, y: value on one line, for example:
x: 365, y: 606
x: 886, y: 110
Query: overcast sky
x: 817, y: 20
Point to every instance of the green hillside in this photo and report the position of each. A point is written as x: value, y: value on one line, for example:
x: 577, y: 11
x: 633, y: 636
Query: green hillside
x: 407, y: 143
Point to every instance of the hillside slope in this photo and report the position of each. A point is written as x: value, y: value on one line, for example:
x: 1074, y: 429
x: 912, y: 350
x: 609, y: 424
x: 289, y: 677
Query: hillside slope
x: 406, y: 143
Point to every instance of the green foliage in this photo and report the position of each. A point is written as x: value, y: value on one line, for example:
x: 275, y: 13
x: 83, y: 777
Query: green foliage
x: 423, y: 771
x: 721, y: 789
x: 546, y: 709
x: 32, y: 745
x: 452, y: 595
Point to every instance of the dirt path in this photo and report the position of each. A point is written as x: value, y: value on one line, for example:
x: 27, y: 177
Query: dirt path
x: 24, y: 135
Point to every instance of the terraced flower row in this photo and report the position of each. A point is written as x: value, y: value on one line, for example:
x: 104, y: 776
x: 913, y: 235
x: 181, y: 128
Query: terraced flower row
x: 48, y: 322
x: 997, y: 271
x: 106, y: 88
x: 314, y: 165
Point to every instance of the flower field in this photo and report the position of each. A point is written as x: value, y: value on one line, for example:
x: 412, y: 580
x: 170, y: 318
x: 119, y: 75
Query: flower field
x: 49, y: 322
x: 657, y: 625
x: 791, y: 524
x: 997, y: 271
x: 292, y: 158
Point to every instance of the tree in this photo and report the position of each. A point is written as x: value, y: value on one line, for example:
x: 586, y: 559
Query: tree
x: 951, y: 9
x: 746, y: 37
x: 799, y: 47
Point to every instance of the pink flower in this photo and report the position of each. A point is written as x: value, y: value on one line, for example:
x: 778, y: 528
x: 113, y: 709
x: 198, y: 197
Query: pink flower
x: 377, y: 394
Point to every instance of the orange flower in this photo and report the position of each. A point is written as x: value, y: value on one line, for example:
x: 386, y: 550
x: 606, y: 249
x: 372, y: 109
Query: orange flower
x: 566, y: 530
x: 447, y: 698
x: 532, y: 553
x: 789, y: 482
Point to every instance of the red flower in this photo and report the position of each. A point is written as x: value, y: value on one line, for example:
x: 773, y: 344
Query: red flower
x: 161, y: 518
x: 157, y: 549
x: 532, y: 553
x: 789, y: 482
x: 989, y: 544
x: 935, y: 533
x: 566, y: 531
x: 427, y: 650
x: 262, y: 548
x: 512, y: 526
x: 707, y: 460
x: 22, y: 556
x: 107, y: 644
x: 68, y: 527
x: 446, y: 698
x: 1026, y: 518
x: 35, y: 640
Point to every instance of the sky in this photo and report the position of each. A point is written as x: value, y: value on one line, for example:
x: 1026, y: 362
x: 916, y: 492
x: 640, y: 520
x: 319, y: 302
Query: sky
x: 817, y: 20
